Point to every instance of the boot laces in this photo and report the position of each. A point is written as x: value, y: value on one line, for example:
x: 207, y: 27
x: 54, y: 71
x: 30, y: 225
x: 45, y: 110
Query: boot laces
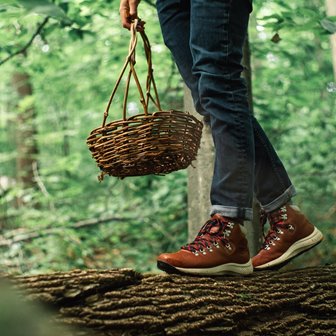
x: 212, y: 232
x: 277, y: 220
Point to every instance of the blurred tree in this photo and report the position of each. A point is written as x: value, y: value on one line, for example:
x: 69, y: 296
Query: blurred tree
x: 331, y: 11
x: 25, y: 131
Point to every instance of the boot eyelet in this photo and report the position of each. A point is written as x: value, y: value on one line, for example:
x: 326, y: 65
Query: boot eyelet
x: 226, y: 233
x: 216, y: 245
x: 196, y: 253
x: 202, y: 251
x: 228, y: 246
x: 290, y: 227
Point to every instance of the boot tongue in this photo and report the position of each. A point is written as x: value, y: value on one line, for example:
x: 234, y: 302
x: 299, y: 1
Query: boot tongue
x: 218, y: 224
x: 214, y: 229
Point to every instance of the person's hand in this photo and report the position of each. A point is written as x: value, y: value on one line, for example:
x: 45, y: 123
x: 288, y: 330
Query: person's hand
x: 128, y: 12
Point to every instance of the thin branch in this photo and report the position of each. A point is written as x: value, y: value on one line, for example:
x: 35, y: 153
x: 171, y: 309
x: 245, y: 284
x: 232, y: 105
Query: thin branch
x: 164, y: 232
x: 41, y: 185
x: 331, y: 212
x: 16, y: 236
x: 28, y: 44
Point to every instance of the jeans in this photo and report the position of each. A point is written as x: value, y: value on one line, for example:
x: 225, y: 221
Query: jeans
x: 206, y: 38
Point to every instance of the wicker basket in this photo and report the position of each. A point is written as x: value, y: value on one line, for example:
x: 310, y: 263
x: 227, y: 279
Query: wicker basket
x: 148, y: 143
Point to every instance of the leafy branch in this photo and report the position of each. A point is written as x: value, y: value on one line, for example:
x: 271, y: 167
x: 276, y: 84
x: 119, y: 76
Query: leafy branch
x: 24, y: 49
x: 16, y: 236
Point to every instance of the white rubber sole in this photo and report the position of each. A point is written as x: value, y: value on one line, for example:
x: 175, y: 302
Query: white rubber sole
x: 298, y: 247
x: 229, y: 268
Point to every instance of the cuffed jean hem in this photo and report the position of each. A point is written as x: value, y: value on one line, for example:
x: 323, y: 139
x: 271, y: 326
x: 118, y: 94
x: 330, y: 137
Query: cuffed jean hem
x: 284, y: 198
x: 232, y: 212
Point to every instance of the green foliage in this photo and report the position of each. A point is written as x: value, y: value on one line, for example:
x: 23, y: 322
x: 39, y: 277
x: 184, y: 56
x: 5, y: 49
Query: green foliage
x: 296, y: 103
x: 73, y: 64
x: 73, y: 70
x: 44, y: 7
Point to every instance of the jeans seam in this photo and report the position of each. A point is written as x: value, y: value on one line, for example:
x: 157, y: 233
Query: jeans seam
x: 228, y: 43
x: 241, y: 157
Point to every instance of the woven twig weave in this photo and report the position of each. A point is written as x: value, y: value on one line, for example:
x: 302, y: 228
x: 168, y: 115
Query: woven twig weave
x: 150, y: 143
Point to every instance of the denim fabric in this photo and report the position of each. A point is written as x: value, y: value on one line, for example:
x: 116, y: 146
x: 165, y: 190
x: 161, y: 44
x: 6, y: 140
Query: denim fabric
x: 206, y: 38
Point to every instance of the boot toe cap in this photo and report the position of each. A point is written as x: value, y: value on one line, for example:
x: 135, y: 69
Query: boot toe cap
x: 168, y: 258
x: 178, y: 259
x: 260, y: 259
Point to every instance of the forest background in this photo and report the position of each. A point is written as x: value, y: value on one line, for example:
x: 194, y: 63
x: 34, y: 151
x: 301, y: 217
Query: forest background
x: 54, y: 213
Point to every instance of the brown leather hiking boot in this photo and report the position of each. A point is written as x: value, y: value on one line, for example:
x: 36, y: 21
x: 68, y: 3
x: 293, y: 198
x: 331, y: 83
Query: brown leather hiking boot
x: 219, y: 248
x: 290, y: 234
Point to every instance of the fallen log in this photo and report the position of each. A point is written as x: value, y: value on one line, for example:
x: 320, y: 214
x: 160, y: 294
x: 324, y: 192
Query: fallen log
x: 123, y: 302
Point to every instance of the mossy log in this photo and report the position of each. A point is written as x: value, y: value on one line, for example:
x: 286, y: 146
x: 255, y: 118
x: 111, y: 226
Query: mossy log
x: 124, y: 302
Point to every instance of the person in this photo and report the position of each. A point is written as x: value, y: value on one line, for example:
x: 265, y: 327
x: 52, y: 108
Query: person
x: 206, y: 39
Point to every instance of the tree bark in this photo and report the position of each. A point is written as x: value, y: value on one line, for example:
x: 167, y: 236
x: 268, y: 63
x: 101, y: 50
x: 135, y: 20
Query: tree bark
x: 124, y: 302
x: 25, y: 133
x: 199, y: 176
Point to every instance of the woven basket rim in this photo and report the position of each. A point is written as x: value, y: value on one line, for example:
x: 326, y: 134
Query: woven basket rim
x: 143, y: 116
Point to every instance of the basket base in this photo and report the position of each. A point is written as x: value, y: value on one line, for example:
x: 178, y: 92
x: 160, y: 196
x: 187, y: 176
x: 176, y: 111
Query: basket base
x: 158, y: 143
x: 157, y: 166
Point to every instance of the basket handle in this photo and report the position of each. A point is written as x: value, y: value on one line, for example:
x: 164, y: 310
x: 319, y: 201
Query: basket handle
x: 150, y: 82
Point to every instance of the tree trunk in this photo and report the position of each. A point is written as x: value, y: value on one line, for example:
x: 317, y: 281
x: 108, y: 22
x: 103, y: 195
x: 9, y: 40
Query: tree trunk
x: 199, y: 178
x: 331, y: 11
x: 254, y: 234
x: 25, y: 132
x: 123, y: 302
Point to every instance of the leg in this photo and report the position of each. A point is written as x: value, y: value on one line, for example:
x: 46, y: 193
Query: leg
x: 221, y: 246
x: 218, y: 30
x: 174, y: 18
x: 273, y: 187
x: 272, y: 184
